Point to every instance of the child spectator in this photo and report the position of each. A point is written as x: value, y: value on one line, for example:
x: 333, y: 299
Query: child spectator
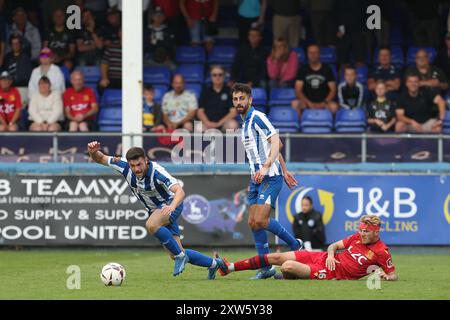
x: 350, y: 91
x: 152, y: 112
x: 381, y: 111
x: 10, y: 104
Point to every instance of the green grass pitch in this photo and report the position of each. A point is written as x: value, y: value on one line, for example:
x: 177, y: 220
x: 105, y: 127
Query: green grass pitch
x: 41, y: 274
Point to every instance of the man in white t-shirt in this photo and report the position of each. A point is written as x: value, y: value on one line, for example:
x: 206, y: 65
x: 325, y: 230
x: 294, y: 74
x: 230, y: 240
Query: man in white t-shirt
x: 179, y: 106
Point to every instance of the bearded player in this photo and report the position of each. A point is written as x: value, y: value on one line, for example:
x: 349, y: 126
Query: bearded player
x: 362, y: 252
x: 162, y: 196
x: 262, y: 146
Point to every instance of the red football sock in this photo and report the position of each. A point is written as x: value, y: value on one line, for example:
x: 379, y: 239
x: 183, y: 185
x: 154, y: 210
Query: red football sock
x: 254, y: 263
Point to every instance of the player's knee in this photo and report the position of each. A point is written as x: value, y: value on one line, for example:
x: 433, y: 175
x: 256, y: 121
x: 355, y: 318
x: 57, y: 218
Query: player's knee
x: 261, y: 223
x: 276, y: 259
x: 152, y: 227
x: 287, y: 267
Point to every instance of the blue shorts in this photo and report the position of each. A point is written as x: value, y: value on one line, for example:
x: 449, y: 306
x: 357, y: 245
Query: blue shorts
x: 266, y: 192
x: 173, y: 225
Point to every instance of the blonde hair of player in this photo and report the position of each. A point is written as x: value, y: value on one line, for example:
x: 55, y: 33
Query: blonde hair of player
x: 370, y: 235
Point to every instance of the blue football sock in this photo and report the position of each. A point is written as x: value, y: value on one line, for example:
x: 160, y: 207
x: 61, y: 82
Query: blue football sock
x: 277, y: 229
x: 261, y: 242
x: 165, y: 237
x: 198, y: 259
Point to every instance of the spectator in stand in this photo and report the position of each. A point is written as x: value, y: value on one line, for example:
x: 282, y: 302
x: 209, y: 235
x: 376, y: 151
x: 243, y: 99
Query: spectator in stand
x: 18, y: 65
x: 315, y: 85
x: 98, y: 9
x: 286, y: 21
x: 387, y: 72
x: 351, y: 43
x: 46, y: 108
x: 350, y: 92
x: 322, y: 21
x: 151, y: 112
x: 251, y: 14
x: 80, y: 104
x: 416, y: 109
x: 282, y: 65
x: 10, y: 104
x: 60, y: 41
x: 179, y: 106
x: 159, y: 41
x: 309, y: 227
x: 110, y: 32
x: 48, y: 69
x: 216, y: 109
x: 442, y: 60
x: 174, y: 18
x: 430, y: 76
x: 249, y: 65
x: 201, y: 17
x: 424, y: 22
x: 381, y: 111
x: 20, y: 25
x: 111, y: 67
x: 89, y: 41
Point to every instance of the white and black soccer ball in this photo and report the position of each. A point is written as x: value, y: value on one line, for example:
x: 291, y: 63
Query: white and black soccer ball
x: 113, y: 274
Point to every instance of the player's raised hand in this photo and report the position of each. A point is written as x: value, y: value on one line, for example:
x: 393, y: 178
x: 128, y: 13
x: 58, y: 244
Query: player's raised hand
x: 290, y: 180
x: 93, y: 146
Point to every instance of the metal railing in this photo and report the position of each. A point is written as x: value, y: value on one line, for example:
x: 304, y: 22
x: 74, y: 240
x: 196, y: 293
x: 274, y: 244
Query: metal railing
x: 287, y: 136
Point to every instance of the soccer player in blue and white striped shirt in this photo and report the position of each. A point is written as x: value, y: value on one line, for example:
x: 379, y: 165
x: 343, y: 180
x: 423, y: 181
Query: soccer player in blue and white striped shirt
x: 262, y: 146
x: 162, y: 196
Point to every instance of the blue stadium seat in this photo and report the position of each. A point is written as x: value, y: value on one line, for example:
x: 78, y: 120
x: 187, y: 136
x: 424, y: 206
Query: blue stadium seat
x: 110, y: 128
x: 411, y: 55
x: 110, y: 117
x: 66, y: 73
x: 159, y: 92
x: 186, y: 54
x: 447, y: 119
x: 316, y: 121
x: 192, y: 73
x: 334, y: 70
x: 259, y: 97
x: 300, y: 54
x: 157, y: 75
x: 226, y: 41
x: 91, y: 74
x: 223, y: 55
x: 285, y: 119
x: 259, y: 108
x: 196, y: 88
x: 111, y: 98
x: 350, y: 120
x: 281, y: 96
x: 396, y: 35
x: 328, y: 55
x: 397, y: 56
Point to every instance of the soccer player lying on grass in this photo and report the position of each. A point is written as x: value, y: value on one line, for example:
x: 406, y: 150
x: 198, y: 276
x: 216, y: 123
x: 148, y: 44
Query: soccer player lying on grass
x: 162, y: 196
x: 363, y: 251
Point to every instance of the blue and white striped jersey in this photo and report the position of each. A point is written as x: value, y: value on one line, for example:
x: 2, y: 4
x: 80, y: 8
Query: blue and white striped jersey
x: 256, y: 129
x: 153, y: 190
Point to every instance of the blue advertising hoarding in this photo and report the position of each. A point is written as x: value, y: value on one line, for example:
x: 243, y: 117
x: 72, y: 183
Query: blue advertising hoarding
x: 415, y: 209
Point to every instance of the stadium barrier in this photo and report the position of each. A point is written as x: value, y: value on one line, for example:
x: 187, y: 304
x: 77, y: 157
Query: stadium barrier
x: 216, y: 148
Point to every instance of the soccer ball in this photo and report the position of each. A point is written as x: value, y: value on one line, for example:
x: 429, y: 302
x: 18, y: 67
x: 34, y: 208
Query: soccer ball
x: 113, y: 274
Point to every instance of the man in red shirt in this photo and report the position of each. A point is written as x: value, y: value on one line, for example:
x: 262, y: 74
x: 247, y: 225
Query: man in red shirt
x: 80, y: 104
x: 10, y: 103
x: 364, y: 252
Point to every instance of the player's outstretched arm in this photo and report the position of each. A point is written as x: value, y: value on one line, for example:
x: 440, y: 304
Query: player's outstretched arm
x: 96, y: 154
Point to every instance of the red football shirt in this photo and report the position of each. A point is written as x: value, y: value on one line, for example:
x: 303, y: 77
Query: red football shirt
x: 10, y: 102
x: 171, y: 8
x: 79, y: 102
x: 199, y: 9
x: 357, y: 259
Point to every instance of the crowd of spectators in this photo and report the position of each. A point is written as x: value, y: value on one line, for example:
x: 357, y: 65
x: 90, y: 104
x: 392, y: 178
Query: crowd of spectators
x: 37, y: 48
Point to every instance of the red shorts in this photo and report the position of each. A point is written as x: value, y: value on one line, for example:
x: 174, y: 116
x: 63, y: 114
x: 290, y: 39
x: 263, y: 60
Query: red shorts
x: 316, y: 261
